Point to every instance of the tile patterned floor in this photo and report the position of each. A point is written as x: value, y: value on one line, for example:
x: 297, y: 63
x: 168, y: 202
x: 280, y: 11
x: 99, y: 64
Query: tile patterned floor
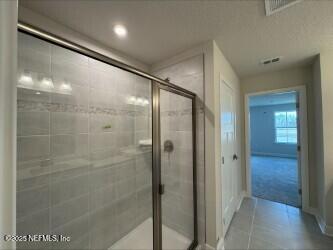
x: 275, y: 179
x: 262, y: 224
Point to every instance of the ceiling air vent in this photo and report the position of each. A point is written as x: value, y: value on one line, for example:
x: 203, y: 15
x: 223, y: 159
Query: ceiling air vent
x: 273, y: 6
x: 270, y: 60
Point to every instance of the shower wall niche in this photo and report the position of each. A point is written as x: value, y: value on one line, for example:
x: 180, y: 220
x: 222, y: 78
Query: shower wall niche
x: 84, y: 165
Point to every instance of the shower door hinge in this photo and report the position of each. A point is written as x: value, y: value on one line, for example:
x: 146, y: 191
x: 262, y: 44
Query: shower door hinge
x: 300, y: 191
x: 161, y: 189
x: 299, y: 148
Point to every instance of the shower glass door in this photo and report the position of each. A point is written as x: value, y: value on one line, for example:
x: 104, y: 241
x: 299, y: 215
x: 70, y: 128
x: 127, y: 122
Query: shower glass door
x: 84, y: 151
x: 177, y: 170
x: 105, y: 155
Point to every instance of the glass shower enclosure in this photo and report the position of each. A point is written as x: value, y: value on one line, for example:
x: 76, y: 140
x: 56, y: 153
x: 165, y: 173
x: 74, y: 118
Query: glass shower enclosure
x: 105, y: 152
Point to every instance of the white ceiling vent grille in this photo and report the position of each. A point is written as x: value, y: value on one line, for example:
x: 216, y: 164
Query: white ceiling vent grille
x: 270, y: 60
x: 273, y: 6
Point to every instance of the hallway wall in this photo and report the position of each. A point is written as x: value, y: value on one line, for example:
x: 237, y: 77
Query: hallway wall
x: 323, y: 123
x: 222, y: 71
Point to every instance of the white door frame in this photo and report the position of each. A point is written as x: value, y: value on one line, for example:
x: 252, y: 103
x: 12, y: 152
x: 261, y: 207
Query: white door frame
x: 303, y: 140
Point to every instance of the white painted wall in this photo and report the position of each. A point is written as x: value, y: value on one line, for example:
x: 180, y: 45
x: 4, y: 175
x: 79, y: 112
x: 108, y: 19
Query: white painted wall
x: 223, y: 69
x: 217, y: 65
x: 8, y: 65
x: 43, y: 22
x: 285, y: 79
x: 277, y: 80
x: 324, y: 141
x: 210, y: 181
x: 318, y: 131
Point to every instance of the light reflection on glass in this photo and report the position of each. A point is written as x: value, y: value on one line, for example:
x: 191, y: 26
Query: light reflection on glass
x: 26, y: 79
x: 46, y: 83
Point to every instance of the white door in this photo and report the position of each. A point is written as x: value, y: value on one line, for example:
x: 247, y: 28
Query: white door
x: 228, y: 146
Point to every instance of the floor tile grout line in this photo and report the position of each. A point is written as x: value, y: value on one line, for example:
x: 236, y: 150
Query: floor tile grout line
x: 252, y: 222
x: 294, y: 236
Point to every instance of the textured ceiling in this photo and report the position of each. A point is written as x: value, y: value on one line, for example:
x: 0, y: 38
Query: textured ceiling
x: 160, y: 29
x: 273, y: 99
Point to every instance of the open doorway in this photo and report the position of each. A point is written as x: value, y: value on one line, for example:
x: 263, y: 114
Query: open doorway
x: 276, y: 167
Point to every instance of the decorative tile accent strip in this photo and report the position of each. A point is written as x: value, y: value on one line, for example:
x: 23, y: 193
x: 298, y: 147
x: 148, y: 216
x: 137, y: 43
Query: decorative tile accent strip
x: 59, y: 107
x: 177, y: 112
x: 31, y: 106
x: 102, y: 110
x: 51, y: 107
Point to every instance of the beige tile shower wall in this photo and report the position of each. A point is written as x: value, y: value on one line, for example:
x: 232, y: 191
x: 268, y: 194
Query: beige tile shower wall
x: 177, y: 126
x: 177, y: 166
x: 81, y: 171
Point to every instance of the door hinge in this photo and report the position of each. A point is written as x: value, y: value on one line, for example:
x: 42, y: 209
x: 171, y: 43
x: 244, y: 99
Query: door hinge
x: 300, y: 191
x: 298, y: 148
x: 222, y: 160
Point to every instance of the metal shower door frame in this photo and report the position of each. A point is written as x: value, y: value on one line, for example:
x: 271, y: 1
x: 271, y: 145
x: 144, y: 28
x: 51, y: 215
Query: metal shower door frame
x: 156, y: 84
x: 157, y: 194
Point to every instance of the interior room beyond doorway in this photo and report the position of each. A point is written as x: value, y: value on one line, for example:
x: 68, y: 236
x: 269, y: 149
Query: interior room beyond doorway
x: 274, y: 133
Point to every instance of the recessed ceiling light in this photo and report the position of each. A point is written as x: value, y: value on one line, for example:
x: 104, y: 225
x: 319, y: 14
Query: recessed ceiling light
x: 120, y: 30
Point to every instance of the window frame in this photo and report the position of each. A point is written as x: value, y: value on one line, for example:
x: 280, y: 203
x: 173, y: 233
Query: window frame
x: 285, y: 127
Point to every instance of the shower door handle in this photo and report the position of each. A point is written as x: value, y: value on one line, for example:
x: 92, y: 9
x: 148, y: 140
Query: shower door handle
x: 161, y: 189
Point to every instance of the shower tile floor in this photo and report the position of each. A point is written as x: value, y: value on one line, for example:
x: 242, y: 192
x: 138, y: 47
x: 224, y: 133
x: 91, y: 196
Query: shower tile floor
x: 141, y: 238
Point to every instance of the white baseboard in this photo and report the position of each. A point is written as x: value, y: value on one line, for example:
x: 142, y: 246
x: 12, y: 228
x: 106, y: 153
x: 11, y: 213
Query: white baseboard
x: 310, y: 210
x: 240, y: 200
x: 274, y: 155
x: 209, y: 247
x: 247, y: 194
x: 220, y: 244
x: 325, y: 229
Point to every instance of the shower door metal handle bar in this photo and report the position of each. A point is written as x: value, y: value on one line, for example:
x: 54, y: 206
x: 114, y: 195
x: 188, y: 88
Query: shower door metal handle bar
x: 195, y: 191
x: 161, y: 189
